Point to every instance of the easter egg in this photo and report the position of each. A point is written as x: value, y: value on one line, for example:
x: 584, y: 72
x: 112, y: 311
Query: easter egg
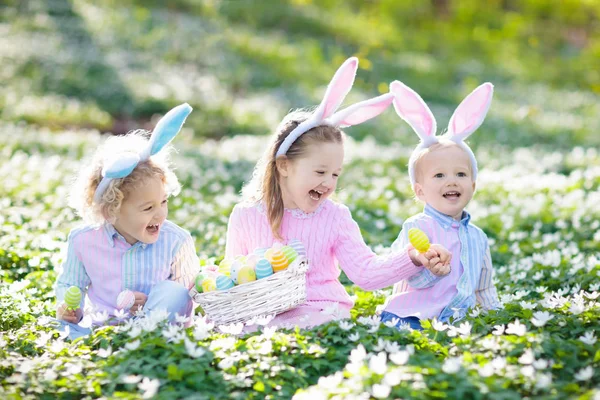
x: 251, y: 260
x: 246, y: 275
x: 418, y: 239
x: 223, y: 282
x: 225, y: 266
x: 279, y: 262
x: 299, y: 247
x: 269, y: 254
x: 277, y: 246
x: 198, y: 281
x: 125, y: 300
x: 234, y: 270
x: 290, y: 253
x: 260, y: 252
x: 263, y: 268
x: 73, y: 298
x: 210, y: 270
x: 209, y: 285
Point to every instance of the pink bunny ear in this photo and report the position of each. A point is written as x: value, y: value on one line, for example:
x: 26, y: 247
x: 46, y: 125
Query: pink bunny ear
x: 412, y: 109
x: 338, y: 88
x: 471, y: 112
x: 361, y: 112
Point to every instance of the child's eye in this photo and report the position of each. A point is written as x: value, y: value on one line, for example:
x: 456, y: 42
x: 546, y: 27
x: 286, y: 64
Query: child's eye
x: 336, y: 175
x: 439, y: 175
x: 462, y: 174
x: 165, y: 201
x: 148, y: 208
x: 320, y: 172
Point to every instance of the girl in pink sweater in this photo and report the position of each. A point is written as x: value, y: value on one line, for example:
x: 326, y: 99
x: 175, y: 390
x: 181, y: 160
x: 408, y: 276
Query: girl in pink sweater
x: 287, y: 199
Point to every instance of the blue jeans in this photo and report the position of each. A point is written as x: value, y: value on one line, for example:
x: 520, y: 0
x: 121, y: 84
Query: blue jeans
x: 413, y: 322
x: 167, y: 295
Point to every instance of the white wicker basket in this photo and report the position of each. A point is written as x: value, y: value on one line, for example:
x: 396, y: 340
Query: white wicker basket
x: 279, y: 292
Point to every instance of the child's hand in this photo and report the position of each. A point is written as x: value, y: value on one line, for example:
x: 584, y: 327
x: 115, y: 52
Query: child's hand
x: 436, y: 259
x: 140, y: 300
x: 72, y: 316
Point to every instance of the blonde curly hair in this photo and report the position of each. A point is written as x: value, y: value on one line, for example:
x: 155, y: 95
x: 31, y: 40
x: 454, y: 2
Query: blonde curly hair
x: 106, y: 210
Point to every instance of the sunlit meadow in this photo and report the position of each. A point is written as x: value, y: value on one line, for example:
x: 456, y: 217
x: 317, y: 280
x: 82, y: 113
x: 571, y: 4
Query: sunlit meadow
x: 104, y: 66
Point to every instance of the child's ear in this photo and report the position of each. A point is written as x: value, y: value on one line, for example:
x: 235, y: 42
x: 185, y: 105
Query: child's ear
x: 283, y: 166
x: 418, y: 189
x: 474, y: 186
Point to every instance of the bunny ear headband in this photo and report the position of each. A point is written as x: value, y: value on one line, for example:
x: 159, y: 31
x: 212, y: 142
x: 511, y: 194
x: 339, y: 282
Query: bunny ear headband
x: 124, y: 163
x: 469, y: 115
x: 338, y: 88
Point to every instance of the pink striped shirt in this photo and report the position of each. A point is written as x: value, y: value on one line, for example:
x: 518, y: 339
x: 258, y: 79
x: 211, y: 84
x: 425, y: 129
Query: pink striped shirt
x: 330, y: 235
x: 101, y: 262
x: 471, y: 280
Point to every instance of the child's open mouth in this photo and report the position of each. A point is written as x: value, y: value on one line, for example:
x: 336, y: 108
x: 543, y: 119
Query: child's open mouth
x: 315, y: 195
x: 452, y: 195
x: 153, y: 229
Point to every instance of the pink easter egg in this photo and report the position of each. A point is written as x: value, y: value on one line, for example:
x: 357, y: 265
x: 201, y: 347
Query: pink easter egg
x: 125, y: 300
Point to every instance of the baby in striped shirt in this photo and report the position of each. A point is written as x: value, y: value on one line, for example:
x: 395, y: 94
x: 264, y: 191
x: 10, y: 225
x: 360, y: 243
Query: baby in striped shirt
x: 443, y: 173
x: 128, y: 243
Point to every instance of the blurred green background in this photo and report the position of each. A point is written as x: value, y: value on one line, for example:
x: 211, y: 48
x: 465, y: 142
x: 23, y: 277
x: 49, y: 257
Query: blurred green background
x: 114, y: 65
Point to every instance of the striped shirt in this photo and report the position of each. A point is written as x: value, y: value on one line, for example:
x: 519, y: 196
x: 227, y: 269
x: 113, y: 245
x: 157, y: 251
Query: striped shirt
x: 101, y: 262
x: 471, y: 280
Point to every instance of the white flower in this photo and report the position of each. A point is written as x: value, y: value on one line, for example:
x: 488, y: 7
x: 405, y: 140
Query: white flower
x: 181, y: 319
x: 585, y: 374
x: 226, y: 363
x: 588, y: 338
x: 381, y: 391
x: 378, y: 363
x: 333, y: 310
x: 393, y: 377
x: 86, y: 322
x: 381, y: 344
x: 57, y: 346
x: 392, y: 322
x: 134, y: 332
x: 358, y: 354
x: 543, y: 381
x: 527, y: 305
x: 465, y: 329
x: 170, y: 332
x: 131, y: 379
x: 133, y: 345
x: 516, y: 328
x: 268, y: 332
x: 438, y: 326
x: 400, y: 357
x: 120, y: 314
x: 527, y: 357
x: 475, y: 312
x: 149, y: 387
x: 346, y: 325
x: 232, y: 329
x: 540, y: 318
x: 487, y: 370
x: 266, y: 348
x: 540, y: 364
x: 354, y: 336
x: 577, y: 308
x: 499, y: 363
x: 104, y: 353
x: 100, y: 317
x: 592, y: 296
x: 498, y: 330
x: 528, y: 371
x: 193, y: 350
x: 264, y: 319
x: 457, y: 312
x: 451, y: 365
x: 541, y: 289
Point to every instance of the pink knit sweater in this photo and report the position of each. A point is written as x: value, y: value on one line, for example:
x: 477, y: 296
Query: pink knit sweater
x: 330, y: 235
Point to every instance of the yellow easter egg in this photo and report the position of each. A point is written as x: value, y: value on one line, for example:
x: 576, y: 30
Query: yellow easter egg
x: 418, y: 239
x: 209, y: 285
x: 245, y: 275
x: 225, y: 266
x: 279, y: 261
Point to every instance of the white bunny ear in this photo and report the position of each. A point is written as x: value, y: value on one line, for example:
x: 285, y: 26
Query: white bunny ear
x: 338, y: 88
x: 361, y: 112
x: 412, y: 109
x: 471, y: 112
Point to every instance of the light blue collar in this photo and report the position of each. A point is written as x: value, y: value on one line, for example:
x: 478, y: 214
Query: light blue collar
x: 445, y: 220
